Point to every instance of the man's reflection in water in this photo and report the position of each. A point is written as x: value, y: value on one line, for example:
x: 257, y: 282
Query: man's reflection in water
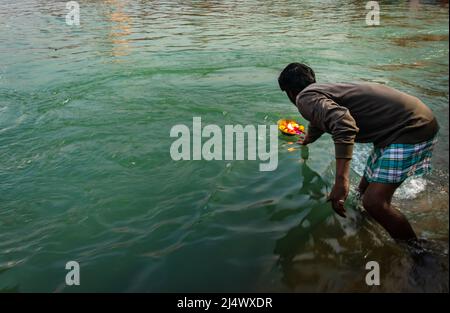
x: 309, y: 252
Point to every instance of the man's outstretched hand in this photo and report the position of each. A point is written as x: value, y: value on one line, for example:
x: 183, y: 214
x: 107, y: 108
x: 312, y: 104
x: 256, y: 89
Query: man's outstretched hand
x: 338, y: 196
x: 341, y: 186
x: 303, y: 140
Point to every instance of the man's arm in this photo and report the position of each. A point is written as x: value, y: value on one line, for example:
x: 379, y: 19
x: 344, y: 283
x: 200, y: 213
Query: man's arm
x: 336, y: 120
x: 313, y: 133
x: 325, y: 115
x: 341, y: 187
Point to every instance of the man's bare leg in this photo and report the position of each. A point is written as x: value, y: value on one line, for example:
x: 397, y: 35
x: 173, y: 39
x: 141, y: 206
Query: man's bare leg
x: 362, y: 186
x: 377, y: 201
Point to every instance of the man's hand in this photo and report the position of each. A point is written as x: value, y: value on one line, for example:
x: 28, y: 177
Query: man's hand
x: 303, y: 140
x: 338, y: 196
x: 341, y: 187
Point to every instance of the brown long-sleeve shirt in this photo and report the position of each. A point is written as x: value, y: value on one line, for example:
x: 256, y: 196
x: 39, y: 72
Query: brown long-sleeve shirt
x: 364, y: 112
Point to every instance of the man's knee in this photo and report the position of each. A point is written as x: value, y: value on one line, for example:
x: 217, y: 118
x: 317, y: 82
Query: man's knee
x: 374, y: 202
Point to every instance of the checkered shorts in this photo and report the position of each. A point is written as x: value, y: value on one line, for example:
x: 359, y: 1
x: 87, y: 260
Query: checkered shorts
x: 396, y: 162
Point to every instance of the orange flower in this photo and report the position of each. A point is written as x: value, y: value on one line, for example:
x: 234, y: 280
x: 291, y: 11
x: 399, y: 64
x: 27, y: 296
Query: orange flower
x: 290, y: 127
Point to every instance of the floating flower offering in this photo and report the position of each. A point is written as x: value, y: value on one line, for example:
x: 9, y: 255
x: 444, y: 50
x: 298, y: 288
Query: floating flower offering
x: 290, y: 127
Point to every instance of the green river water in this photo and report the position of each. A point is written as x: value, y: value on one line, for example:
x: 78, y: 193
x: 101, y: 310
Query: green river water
x: 85, y: 168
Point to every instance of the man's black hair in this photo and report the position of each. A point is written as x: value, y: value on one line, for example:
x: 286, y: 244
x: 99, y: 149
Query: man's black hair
x: 296, y: 77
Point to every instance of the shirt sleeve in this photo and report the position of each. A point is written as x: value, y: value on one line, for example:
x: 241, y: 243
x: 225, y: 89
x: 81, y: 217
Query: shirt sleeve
x: 314, y: 133
x: 325, y: 114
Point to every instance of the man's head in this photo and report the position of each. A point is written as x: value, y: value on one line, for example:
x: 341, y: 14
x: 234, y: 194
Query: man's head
x: 294, y: 78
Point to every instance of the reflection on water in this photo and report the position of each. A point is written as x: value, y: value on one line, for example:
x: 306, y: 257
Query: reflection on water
x: 414, y: 41
x: 85, y: 169
x: 120, y: 29
x: 300, y: 247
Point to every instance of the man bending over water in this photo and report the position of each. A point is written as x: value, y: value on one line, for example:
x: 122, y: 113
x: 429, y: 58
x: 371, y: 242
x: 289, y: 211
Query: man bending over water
x: 402, y: 129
